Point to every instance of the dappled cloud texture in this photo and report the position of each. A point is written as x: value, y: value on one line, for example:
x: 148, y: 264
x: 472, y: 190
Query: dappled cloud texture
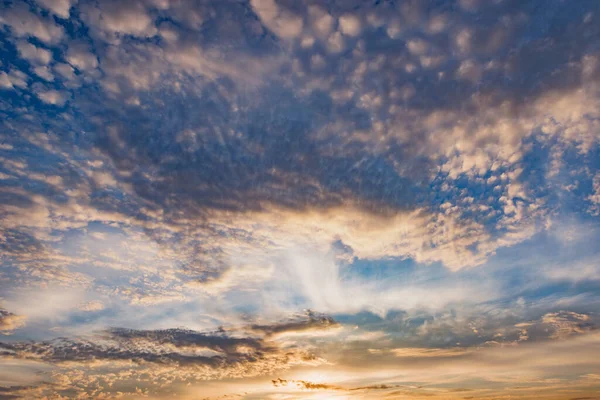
x: 267, y: 199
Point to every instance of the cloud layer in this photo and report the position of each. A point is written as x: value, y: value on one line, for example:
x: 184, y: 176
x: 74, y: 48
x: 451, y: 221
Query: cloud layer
x: 423, y: 173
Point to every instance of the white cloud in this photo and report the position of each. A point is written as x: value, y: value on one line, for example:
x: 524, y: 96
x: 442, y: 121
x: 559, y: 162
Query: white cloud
x: 470, y: 70
x: 35, y: 55
x: 55, y: 97
x: 594, y: 198
x: 350, y: 25
x: 65, y: 71
x: 91, y: 306
x: 322, y: 22
x: 10, y: 321
x: 418, y: 46
x: 282, y: 22
x: 14, y: 79
x: 110, y: 17
x: 23, y: 23
x: 81, y: 58
x: 58, y: 7
x: 50, y: 304
x: 44, y: 72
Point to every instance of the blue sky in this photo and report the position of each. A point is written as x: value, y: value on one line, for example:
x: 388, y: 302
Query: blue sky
x: 275, y: 199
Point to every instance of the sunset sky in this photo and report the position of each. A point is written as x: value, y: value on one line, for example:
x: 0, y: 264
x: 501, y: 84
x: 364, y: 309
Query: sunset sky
x: 286, y: 199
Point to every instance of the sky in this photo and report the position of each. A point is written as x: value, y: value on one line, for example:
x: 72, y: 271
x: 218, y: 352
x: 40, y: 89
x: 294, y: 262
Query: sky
x: 317, y: 199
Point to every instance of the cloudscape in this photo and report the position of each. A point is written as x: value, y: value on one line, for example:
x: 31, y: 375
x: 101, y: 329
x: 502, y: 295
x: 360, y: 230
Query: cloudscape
x: 300, y: 199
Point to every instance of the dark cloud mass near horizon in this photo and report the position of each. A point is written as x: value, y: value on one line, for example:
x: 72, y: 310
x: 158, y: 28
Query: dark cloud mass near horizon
x: 270, y: 199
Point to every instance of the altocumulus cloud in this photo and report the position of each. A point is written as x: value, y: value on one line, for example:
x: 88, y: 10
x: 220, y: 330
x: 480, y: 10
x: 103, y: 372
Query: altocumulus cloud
x: 393, y: 164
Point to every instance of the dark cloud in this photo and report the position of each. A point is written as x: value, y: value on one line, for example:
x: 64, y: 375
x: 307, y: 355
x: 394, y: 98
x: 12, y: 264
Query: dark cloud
x: 314, y: 321
x: 171, y: 346
x: 221, y: 145
x: 145, y: 346
x: 11, y: 392
x: 246, y: 159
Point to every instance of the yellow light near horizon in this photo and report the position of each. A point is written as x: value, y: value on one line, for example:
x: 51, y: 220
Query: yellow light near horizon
x: 329, y: 395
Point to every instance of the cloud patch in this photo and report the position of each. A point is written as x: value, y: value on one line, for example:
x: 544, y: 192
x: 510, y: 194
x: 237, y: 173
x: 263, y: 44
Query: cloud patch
x: 9, y: 321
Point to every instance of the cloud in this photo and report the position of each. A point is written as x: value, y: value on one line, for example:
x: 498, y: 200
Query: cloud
x: 44, y: 72
x: 403, y: 165
x: 315, y: 322
x: 92, y: 306
x: 564, y: 324
x: 466, y: 158
x: 494, y: 366
x: 424, y: 352
x: 350, y: 25
x: 58, y: 7
x: 9, y: 321
x: 306, y: 385
x: 24, y: 23
x: 282, y: 22
x: 33, y: 54
x: 375, y: 169
x: 54, y: 97
x: 153, y: 355
x: 80, y: 57
x: 512, y: 371
x: 12, y: 80
x: 594, y: 198
x: 109, y: 18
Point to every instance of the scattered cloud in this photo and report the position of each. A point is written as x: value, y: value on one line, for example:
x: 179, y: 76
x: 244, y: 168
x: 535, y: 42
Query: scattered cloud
x: 422, y: 175
x: 59, y: 7
x: 24, y: 23
x: 53, y: 97
x: 152, y: 355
